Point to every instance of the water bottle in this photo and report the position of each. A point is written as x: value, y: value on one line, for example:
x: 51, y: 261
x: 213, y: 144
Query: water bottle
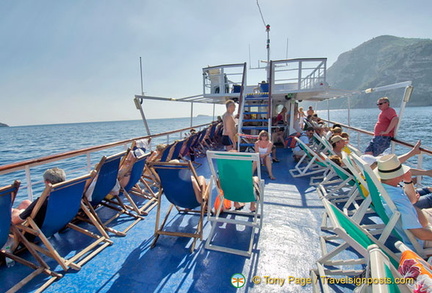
x: 9, y: 262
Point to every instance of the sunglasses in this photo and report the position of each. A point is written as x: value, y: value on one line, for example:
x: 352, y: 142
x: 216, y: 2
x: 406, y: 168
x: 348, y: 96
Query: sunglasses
x: 379, y: 104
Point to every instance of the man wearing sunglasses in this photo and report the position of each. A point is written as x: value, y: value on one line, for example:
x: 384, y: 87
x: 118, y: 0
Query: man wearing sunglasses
x: 384, y: 128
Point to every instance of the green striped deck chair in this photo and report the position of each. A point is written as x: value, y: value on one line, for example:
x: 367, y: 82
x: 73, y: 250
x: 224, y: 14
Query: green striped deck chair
x: 385, y: 275
x: 379, y: 196
x: 232, y: 173
x: 351, y: 237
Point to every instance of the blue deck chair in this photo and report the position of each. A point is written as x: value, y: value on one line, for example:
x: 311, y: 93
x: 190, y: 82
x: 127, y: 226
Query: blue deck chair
x: 7, y: 197
x: 177, y: 186
x: 351, y: 236
x: 176, y: 151
x: 167, y: 152
x: 106, y: 172
x: 64, y: 201
x: 232, y: 172
x: 133, y: 187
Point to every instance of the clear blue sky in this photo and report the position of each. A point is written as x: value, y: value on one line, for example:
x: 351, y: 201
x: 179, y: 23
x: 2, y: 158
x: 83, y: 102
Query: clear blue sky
x: 67, y: 61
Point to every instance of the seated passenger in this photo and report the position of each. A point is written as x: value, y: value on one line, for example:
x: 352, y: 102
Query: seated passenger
x: 25, y: 208
x: 305, y: 138
x: 264, y: 147
x: 417, y: 221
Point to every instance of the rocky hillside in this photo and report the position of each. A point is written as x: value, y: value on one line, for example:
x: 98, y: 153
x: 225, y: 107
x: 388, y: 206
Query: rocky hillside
x: 3, y: 125
x: 385, y: 60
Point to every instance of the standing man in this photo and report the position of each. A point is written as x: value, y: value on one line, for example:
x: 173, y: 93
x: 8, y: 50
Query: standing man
x: 229, y: 127
x: 384, y: 128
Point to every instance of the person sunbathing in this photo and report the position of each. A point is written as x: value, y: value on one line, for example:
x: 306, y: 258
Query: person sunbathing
x: 25, y: 208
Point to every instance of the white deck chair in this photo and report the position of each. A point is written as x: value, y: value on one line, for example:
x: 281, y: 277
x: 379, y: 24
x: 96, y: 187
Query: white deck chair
x: 314, y: 164
x: 232, y: 173
x: 350, y: 236
x: 381, y: 269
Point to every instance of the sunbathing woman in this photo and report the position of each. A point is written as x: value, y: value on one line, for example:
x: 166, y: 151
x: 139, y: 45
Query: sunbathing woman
x: 264, y: 147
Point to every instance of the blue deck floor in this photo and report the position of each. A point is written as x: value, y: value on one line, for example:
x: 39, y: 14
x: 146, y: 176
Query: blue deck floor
x: 287, y: 249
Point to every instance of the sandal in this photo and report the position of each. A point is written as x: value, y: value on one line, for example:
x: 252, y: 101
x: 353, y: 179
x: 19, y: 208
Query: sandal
x: 276, y: 160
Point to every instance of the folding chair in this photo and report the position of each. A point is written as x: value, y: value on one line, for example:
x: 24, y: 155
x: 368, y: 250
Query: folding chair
x: 379, y: 196
x: 63, y: 201
x: 314, y: 165
x: 384, y: 276
x: 133, y: 188
x: 176, y: 180
x: 7, y: 197
x: 351, y: 236
x: 96, y: 194
x: 232, y: 172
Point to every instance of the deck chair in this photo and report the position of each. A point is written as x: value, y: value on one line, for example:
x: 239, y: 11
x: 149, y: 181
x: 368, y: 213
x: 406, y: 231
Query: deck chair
x: 378, y: 196
x: 313, y: 166
x: 351, y: 236
x: 387, y: 275
x: 133, y: 188
x: 167, y: 152
x: 96, y: 194
x: 7, y: 197
x: 63, y: 202
x: 232, y: 173
x: 176, y: 180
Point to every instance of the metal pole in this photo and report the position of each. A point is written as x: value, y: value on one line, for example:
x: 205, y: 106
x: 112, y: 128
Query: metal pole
x: 191, y: 119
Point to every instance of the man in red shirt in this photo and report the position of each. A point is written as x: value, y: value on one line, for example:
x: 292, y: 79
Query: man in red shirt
x: 384, y: 128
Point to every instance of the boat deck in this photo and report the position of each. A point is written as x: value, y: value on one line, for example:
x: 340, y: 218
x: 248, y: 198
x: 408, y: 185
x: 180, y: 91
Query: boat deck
x: 286, y: 250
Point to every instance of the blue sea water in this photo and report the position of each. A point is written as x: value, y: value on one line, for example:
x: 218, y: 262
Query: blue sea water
x: 29, y: 142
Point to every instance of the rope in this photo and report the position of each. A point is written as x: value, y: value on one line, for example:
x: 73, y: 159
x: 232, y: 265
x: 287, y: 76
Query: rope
x: 262, y: 17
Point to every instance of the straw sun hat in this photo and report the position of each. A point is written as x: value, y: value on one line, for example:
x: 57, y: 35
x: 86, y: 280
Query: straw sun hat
x: 389, y: 167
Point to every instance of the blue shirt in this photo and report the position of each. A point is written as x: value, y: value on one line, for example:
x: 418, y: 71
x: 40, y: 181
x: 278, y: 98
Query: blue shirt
x: 408, y: 218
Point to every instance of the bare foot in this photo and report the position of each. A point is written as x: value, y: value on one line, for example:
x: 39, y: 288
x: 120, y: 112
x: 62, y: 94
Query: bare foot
x: 416, y: 148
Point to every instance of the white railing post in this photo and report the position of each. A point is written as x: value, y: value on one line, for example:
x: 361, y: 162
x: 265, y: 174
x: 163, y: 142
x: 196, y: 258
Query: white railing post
x: 29, y: 183
x: 88, y: 162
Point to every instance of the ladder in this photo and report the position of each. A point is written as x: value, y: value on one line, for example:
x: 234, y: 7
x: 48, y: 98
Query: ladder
x: 255, y: 116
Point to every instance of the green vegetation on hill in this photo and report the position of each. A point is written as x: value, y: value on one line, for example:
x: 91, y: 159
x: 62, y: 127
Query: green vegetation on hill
x: 386, y: 60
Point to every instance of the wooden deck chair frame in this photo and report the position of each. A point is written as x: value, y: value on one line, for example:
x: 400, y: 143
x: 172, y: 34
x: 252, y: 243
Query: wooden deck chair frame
x: 183, y: 203
x: 64, y: 202
x: 314, y: 166
x: 377, y: 192
x: 133, y: 188
x: 352, y: 235
x: 239, y: 193
x: 7, y: 198
x: 106, y: 173
x: 384, y: 273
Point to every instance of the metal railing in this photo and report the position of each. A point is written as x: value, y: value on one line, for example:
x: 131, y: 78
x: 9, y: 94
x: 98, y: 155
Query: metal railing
x: 83, y: 158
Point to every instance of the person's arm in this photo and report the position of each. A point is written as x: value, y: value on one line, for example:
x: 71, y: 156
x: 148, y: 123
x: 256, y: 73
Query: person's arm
x: 422, y: 233
x: 392, y: 125
x: 409, y: 187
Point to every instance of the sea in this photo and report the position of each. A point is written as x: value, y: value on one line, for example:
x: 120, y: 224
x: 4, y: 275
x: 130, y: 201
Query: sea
x: 21, y: 143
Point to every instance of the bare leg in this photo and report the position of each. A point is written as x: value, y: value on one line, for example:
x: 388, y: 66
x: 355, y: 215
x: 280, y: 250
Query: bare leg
x: 268, y: 164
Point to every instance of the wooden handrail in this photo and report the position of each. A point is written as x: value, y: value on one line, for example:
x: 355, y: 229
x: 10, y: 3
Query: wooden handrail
x: 398, y: 141
x: 5, y: 169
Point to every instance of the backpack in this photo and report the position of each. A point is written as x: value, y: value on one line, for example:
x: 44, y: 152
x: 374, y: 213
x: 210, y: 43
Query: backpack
x: 290, y: 142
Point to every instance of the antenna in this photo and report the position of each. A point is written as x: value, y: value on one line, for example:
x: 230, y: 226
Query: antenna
x: 267, y: 26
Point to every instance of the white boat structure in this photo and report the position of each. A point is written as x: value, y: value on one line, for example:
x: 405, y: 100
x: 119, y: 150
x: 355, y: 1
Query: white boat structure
x: 285, y: 248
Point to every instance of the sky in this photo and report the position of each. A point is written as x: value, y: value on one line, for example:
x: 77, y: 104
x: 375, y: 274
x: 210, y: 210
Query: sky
x: 64, y: 61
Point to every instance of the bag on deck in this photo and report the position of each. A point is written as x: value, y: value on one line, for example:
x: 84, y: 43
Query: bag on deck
x: 290, y: 142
